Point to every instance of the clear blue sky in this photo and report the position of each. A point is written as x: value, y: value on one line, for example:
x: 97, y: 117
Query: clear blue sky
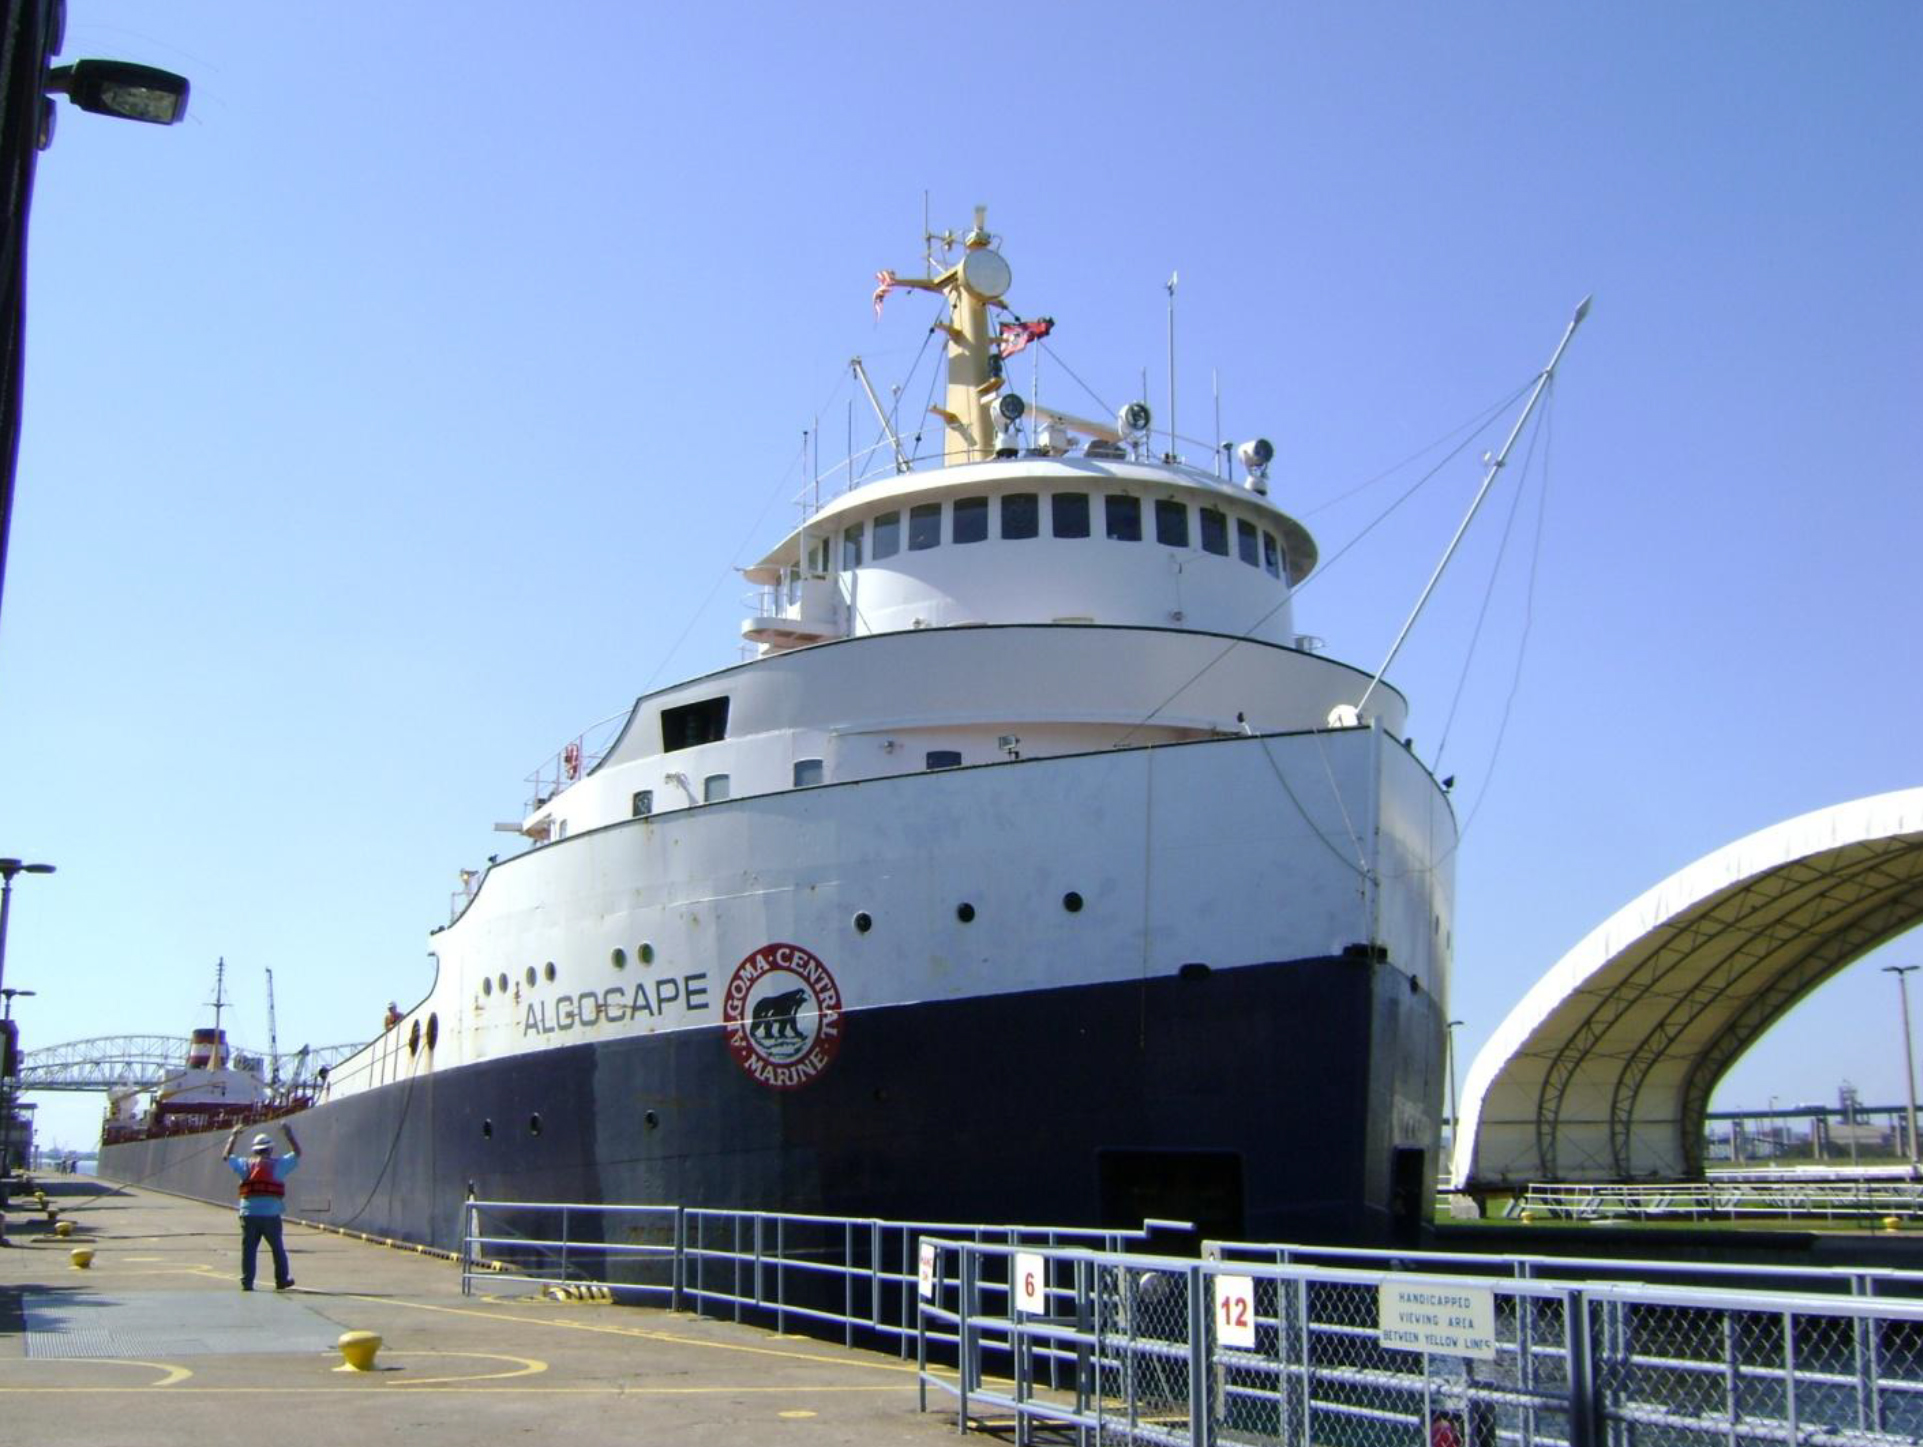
x: 406, y: 409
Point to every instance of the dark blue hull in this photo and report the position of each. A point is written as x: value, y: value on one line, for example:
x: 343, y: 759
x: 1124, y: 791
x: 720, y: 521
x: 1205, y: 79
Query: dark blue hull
x: 1289, y: 1101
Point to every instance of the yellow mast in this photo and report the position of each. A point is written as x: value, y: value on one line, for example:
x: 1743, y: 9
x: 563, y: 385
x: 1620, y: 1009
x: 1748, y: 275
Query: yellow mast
x: 979, y: 279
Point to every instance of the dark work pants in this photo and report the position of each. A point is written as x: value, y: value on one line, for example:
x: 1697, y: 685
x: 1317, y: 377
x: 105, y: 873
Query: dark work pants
x: 253, y: 1229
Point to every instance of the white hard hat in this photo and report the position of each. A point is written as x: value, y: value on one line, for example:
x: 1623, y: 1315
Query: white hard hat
x: 263, y: 1143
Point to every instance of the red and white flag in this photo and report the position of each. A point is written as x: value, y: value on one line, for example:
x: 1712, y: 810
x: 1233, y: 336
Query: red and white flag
x: 1017, y: 335
x: 885, y: 283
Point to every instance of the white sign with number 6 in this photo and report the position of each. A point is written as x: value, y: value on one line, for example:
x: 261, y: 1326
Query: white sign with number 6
x: 1031, y: 1283
x: 1235, y: 1311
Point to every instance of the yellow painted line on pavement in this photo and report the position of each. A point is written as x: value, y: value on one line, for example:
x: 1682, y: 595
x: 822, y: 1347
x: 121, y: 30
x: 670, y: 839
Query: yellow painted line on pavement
x: 523, y: 1367
x: 613, y: 1389
x: 643, y: 1333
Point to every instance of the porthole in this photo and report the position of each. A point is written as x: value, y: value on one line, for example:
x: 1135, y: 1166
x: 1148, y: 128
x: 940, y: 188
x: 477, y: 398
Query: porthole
x: 1072, y: 902
x: 1193, y: 971
x: 619, y: 959
x: 503, y: 983
x: 549, y: 971
x: 531, y: 976
x: 433, y: 1030
x: 863, y: 923
x: 487, y: 1130
x: 646, y: 952
x: 650, y: 1119
x: 965, y: 912
x: 534, y: 1123
x: 487, y: 985
x: 414, y: 1038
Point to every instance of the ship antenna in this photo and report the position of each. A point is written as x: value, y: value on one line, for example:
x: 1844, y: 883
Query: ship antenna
x: 220, y: 1003
x: 1172, y: 279
x: 273, y: 1037
x: 1494, y: 466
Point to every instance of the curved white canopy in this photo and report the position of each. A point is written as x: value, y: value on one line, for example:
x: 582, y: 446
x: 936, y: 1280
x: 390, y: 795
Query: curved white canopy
x: 1604, y: 1071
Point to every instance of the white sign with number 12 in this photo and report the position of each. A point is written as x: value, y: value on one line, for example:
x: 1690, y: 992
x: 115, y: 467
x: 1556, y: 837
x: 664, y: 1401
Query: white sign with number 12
x: 1235, y: 1311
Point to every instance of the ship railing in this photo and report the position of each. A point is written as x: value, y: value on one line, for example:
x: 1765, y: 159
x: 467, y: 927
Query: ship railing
x: 879, y: 461
x: 858, y: 1275
x: 1169, y: 1350
x: 573, y: 760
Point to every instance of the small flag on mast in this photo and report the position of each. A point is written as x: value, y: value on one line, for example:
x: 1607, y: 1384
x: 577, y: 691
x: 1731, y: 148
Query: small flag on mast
x: 1017, y: 335
x: 886, y: 283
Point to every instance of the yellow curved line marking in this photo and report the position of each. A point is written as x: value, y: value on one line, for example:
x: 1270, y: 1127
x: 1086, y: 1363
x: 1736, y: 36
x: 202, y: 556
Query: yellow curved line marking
x: 527, y: 1367
x: 170, y: 1373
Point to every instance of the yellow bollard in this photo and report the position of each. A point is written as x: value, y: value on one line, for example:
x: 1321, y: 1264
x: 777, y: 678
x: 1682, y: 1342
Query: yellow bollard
x: 1892, y: 1223
x: 357, y: 1350
x: 81, y: 1256
x: 63, y: 1228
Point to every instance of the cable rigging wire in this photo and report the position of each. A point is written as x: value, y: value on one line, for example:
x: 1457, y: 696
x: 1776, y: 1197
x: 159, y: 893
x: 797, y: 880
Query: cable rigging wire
x: 1489, y: 589
x: 1289, y: 595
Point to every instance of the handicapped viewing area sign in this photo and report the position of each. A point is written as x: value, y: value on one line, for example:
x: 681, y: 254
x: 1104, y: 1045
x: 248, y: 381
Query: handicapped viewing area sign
x: 1447, y: 1318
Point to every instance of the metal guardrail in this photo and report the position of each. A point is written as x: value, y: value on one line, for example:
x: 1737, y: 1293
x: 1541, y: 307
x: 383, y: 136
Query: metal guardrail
x: 1167, y: 1351
x: 1269, y: 1344
x: 1821, y: 1280
x: 1858, y: 1199
x: 856, y: 1273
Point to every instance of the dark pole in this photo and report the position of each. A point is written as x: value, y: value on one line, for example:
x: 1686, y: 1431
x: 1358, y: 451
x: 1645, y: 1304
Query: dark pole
x: 1909, y: 1058
x: 23, y: 61
x: 8, y: 869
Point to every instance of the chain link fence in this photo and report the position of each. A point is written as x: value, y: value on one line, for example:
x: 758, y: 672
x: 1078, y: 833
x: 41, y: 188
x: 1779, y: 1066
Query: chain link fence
x: 1152, y: 1350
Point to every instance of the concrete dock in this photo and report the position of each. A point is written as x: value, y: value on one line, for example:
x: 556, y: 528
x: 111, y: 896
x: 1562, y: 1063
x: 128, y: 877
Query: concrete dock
x: 155, y: 1344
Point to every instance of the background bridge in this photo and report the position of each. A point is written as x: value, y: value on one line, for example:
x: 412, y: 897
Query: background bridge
x: 112, y: 1062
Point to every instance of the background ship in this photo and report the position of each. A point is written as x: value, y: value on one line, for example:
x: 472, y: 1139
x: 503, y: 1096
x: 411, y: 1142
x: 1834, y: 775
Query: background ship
x: 1035, y: 869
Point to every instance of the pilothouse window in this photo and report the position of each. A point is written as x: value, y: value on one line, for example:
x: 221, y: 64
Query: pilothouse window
x: 1215, y: 531
x: 971, y: 519
x: 851, y: 547
x: 1171, y: 523
x: 1245, y: 543
x: 1124, y: 517
x: 694, y: 723
x: 1070, y: 511
x: 887, y: 535
x: 1021, y: 515
x: 1271, y: 556
x: 924, y: 527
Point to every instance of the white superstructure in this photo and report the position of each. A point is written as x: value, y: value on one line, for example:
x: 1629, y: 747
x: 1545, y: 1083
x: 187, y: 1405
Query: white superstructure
x: 952, y: 768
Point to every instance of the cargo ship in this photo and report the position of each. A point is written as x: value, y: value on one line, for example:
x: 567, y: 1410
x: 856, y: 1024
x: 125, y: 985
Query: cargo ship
x: 1030, y: 867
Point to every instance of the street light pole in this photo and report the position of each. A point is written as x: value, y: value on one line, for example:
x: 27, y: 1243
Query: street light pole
x: 1909, y: 1057
x: 8, y: 869
x: 8, y: 1094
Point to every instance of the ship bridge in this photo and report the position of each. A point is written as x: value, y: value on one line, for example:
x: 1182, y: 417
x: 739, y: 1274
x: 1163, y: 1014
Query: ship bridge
x: 1604, y: 1071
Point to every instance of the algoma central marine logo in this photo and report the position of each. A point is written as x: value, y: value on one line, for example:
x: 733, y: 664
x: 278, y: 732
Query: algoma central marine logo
x: 781, y: 1014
